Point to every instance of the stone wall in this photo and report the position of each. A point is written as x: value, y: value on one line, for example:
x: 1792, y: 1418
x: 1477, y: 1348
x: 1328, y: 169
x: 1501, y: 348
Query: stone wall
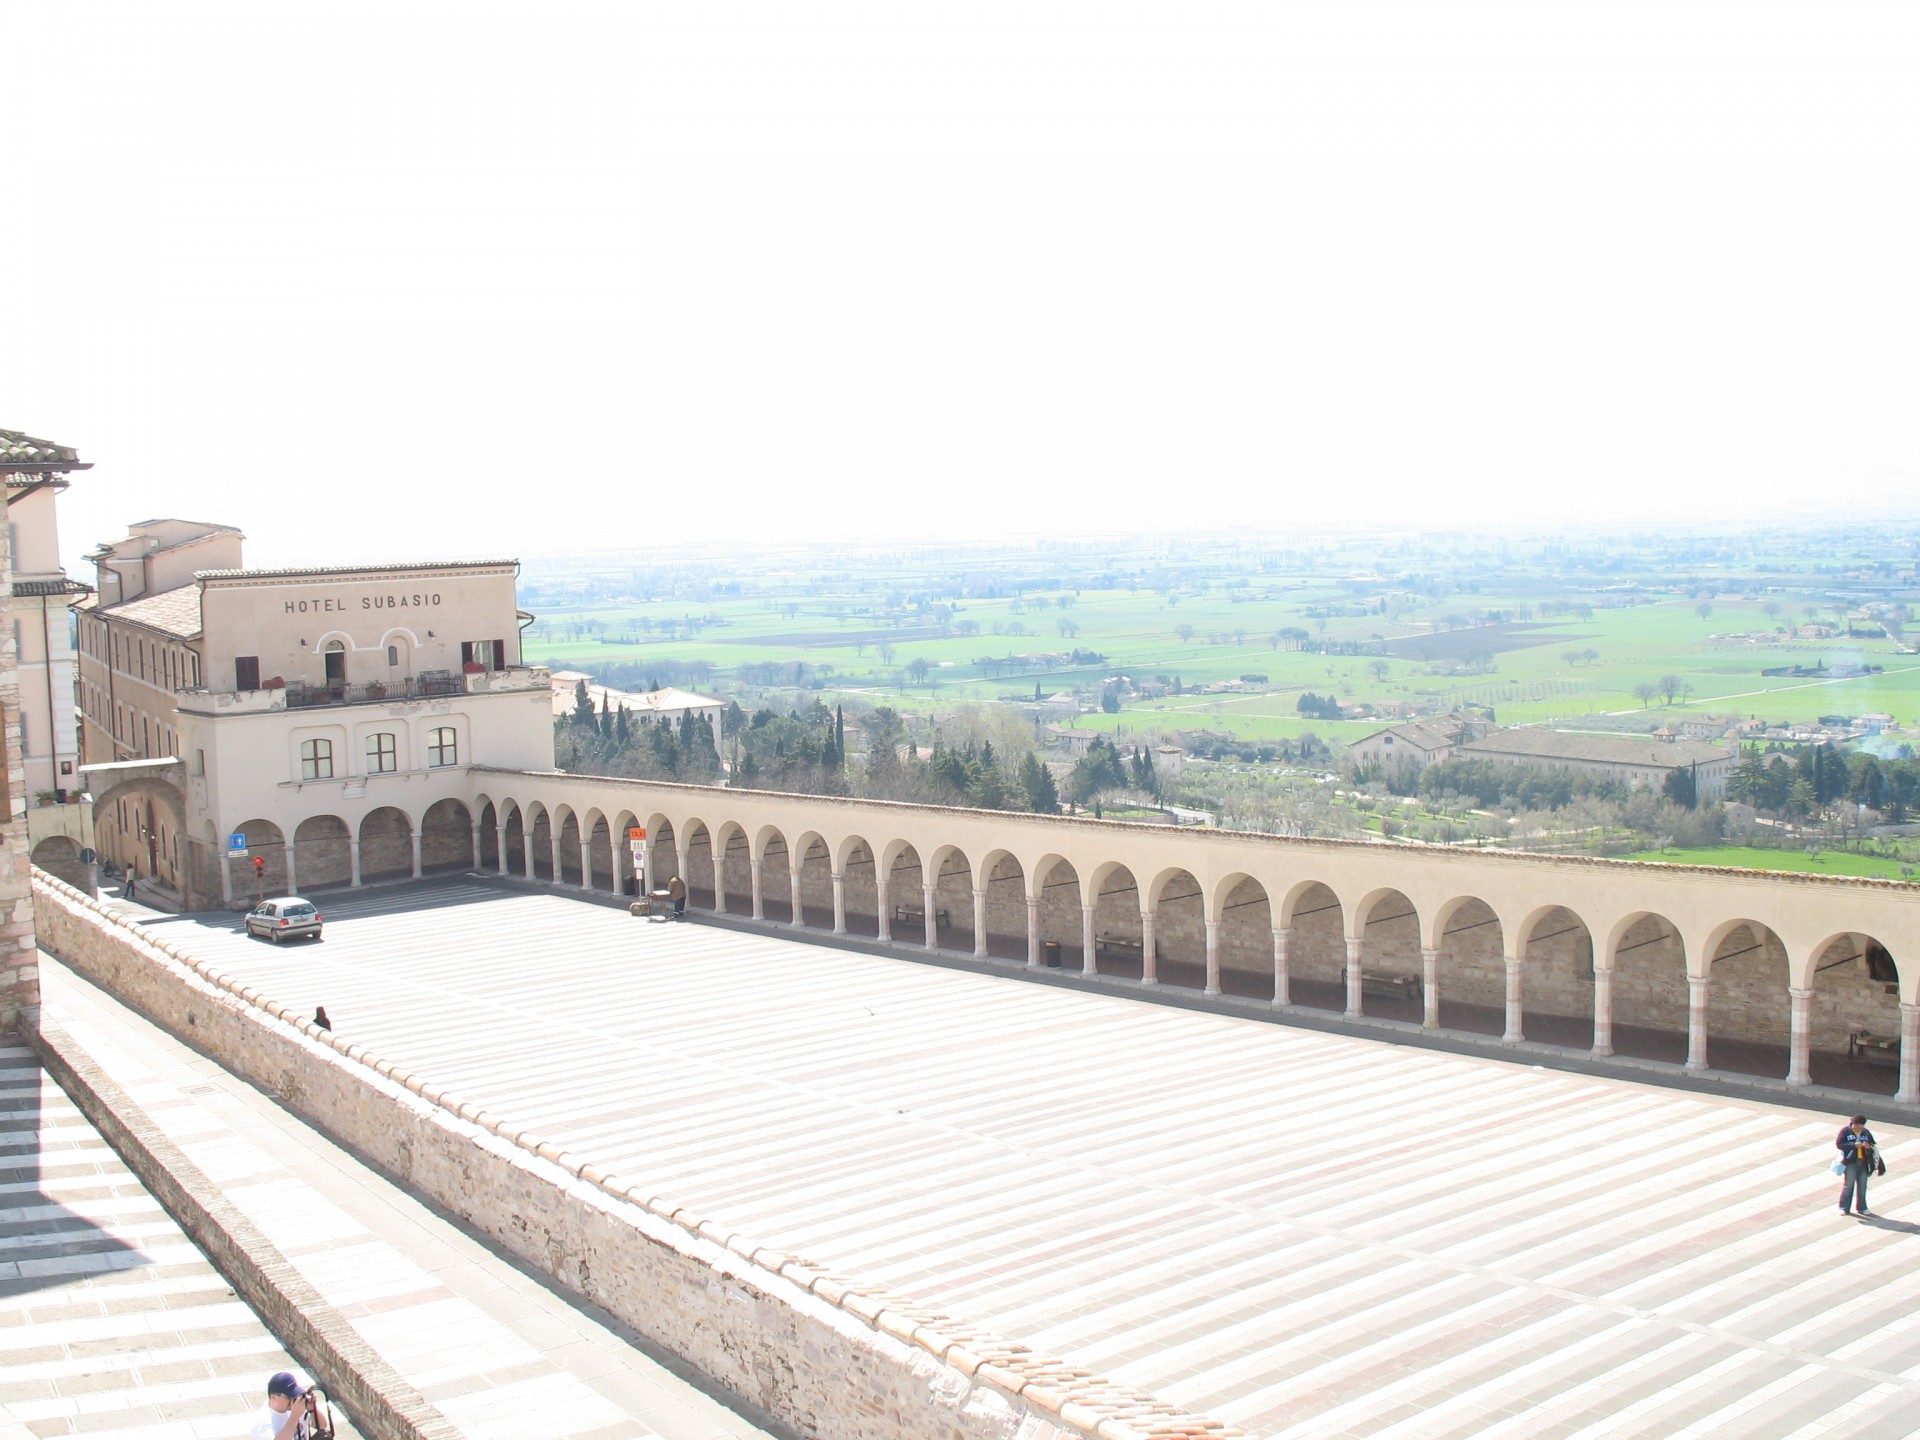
x: 828, y: 1356
x: 19, y: 955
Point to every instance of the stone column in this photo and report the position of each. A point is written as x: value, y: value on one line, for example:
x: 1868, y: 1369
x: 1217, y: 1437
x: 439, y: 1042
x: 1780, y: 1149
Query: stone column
x: 1516, y: 1017
x: 759, y: 901
x: 1909, y: 1092
x: 839, y: 902
x: 929, y: 894
x: 293, y: 883
x: 1282, y: 981
x: 1603, y: 1011
x: 526, y: 845
x: 226, y: 881
x: 1149, y: 952
x: 1213, y: 957
x: 882, y: 902
x: 476, y: 843
x: 586, y: 863
x: 1087, y: 964
x: 1033, y: 932
x: 418, y: 869
x: 1697, y: 986
x: 553, y: 844
x: 1430, y: 988
x: 979, y: 923
x: 353, y: 859
x: 794, y: 876
x: 1355, y: 1009
x: 720, y: 883
x: 500, y: 844
x: 1800, y: 1037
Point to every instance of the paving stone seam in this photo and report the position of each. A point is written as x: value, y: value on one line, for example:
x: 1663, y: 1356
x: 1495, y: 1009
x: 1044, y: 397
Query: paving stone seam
x: 1092, y: 1404
x: 380, y: 1400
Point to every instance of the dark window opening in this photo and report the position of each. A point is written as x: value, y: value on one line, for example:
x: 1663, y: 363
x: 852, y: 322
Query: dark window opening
x: 246, y: 672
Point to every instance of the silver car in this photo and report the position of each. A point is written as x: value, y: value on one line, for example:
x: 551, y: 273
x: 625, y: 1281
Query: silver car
x: 284, y: 919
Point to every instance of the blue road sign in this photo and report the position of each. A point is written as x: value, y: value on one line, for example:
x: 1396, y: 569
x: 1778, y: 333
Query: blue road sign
x: 236, y: 842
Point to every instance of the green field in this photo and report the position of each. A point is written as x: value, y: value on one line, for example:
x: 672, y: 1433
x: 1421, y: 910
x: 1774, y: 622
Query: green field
x: 862, y: 636
x: 1826, y: 862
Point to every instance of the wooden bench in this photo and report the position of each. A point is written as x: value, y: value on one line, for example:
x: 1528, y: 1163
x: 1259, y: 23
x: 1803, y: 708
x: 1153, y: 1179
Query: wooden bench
x: 914, y: 915
x: 1118, y: 945
x: 1388, y: 982
x: 1860, y: 1042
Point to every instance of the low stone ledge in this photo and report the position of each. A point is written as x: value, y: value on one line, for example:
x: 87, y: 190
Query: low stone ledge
x: 811, y: 1351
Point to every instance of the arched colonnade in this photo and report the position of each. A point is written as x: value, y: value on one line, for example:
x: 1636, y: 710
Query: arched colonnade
x: 1667, y: 962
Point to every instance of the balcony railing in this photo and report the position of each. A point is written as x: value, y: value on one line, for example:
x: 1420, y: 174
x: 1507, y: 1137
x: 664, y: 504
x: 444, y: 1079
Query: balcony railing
x: 428, y: 685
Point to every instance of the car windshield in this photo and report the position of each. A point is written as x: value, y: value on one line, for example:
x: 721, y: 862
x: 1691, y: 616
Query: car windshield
x: 298, y: 912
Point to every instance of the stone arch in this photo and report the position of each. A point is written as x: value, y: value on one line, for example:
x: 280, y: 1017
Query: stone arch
x: 813, y: 862
x: 1057, y: 884
x: 773, y: 864
x: 446, y: 838
x: 1556, y: 950
x: 568, y: 836
x: 860, y: 885
x: 600, y: 871
x: 700, y: 873
x: 59, y: 856
x: 735, y: 864
x: 386, y: 845
x: 1117, y: 930
x: 266, y: 840
x: 1857, y: 988
x: 1178, y: 904
x: 516, y: 843
x: 1387, y: 925
x: 1316, y: 937
x: 539, y: 842
x: 952, y: 874
x: 488, y: 858
x: 1470, y: 965
x: 322, y: 852
x: 900, y: 895
x: 1648, y: 957
x: 1004, y: 880
x: 1242, y: 912
x: 1749, y: 1013
x: 662, y: 849
x: 155, y: 811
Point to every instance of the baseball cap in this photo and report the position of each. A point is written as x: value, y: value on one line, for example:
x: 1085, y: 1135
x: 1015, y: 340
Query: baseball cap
x: 284, y: 1384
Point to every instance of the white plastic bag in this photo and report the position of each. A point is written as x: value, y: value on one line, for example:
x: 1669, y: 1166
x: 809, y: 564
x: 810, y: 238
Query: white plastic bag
x: 1839, y: 1166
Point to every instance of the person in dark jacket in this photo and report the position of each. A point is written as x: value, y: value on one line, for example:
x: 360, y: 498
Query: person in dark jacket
x: 1860, y: 1157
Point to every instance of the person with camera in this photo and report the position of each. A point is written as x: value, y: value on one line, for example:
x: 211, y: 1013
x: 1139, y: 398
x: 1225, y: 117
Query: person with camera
x: 288, y: 1413
x: 1860, y: 1160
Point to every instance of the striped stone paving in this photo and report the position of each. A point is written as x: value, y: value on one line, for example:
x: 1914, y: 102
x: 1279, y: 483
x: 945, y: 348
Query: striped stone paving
x: 112, y: 1324
x: 1301, y: 1233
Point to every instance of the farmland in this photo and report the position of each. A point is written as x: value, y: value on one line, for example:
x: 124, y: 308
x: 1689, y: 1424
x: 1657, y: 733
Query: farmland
x: 1541, y: 631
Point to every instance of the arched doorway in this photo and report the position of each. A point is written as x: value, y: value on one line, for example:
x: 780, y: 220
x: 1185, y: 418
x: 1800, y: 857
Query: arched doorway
x: 1648, y: 989
x: 1470, y: 967
x: 1388, y: 924
x: 322, y: 853
x: 860, y: 885
x: 446, y: 838
x: 1116, y: 923
x: 1854, y: 1018
x: 1313, y: 924
x: 59, y: 856
x: 386, y: 845
x: 1245, y: 938
x: 1179, y: 910
x: 1748, y: 1010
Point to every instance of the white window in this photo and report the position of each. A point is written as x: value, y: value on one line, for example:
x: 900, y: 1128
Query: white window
x: 382, y: 757
x: 443, y: 746
x: 316, y: 759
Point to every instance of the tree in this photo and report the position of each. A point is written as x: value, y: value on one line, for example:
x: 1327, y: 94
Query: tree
x: 1646, y: 692
x: 1682, y: 787
x: 1036, y: 784
x: 886, y: 652
x: 583, y: 715
x: 1185, y: 632
x: 1703, y: 609
x: 1770, y: 609
x: 917, y: 668
x: 1379, y: 670
x: 1067, y: 628
x: 1672, y: 687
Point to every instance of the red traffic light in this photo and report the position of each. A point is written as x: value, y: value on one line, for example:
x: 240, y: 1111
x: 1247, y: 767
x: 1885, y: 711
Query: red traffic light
x: 259, y: 865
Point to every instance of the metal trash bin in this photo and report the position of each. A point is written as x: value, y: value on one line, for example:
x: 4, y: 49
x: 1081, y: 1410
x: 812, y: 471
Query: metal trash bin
x: 1051, y: 950
x: 662, y: 903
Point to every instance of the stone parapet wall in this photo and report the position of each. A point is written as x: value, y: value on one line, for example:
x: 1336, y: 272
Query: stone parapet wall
x: 827, y: 1355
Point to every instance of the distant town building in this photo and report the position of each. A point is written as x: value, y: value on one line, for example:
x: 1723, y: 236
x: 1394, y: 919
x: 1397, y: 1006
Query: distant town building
x: 667, y: 704
x: 1419, y: 743
x: 1627, y: 759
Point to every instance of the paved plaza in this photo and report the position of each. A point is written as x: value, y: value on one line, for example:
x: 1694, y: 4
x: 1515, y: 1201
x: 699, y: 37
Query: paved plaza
x: 1302, y: 1233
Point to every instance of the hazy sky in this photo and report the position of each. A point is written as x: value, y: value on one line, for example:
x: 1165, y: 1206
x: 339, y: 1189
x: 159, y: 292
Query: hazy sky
x: 420, y: 280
